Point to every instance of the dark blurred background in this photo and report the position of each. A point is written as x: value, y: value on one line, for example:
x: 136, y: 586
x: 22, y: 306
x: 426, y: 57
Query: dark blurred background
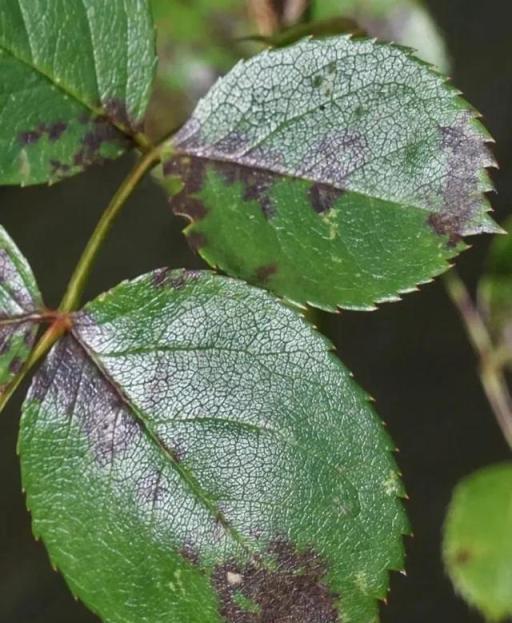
x: 413, y: 357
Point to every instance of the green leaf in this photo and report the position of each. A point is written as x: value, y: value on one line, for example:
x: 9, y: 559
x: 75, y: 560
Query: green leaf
x: 407, y: 22
x: 495, y: 288
x: 193, y: 452
x: 337, y: 172
x: 478, y: 540
x: 76, y: 76
x: 20, y: 305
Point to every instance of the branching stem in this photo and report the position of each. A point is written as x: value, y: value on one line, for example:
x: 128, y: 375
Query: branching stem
x: 491, y: 360
x: 73, y: 295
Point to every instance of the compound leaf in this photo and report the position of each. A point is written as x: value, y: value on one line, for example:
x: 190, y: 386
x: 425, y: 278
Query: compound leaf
x: 478, y: 540
x: 334, y: 172
x: 192, y: 451
x: 76, y: 76
x: 20, y: 304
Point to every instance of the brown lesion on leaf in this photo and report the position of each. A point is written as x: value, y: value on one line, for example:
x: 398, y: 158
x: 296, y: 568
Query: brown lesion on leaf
x: 100, y: 132
x: 467, y: 156
x: 116, y: 110
x: 53, y: 131
x: 280, y: 586
x: 175, y: 279
x: 263, y: 273
x: 322, y: 197
x: 462, y: 557
x: 196, y: 240
x: 192, y: 172
x: 446, y: 225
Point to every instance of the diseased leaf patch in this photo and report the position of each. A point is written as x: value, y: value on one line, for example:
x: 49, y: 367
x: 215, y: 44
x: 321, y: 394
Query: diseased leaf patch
x: 76, y: 79
x: 20, y: 304
x: 193, y: 442
x: 283, y: 585
x: 387, y: 157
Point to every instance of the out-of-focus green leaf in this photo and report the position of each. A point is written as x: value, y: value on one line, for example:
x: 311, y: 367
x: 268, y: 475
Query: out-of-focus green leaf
x: 336, y: 172
x: 20, y: 304
x: 478, y: 540
x: 194, y: 453
x: 403, y: 21
x: 197, y: 42
x: 76, y: 77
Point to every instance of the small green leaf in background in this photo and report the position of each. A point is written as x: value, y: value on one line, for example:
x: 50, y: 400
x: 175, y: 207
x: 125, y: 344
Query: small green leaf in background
x: 194, y: 453
x: 478, y: 540
x: 495, y: 288
x: 76, y: 78
x: 20, y: 303
x: 335, y: 172
x: 407, y: 22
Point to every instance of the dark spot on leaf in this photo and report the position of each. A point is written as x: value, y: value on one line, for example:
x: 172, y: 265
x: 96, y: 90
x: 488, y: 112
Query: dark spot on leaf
x: 446, y: 225
x: 257, y: 185
x: 55, y: 130
x: 331, y: 67
x: 317, y: 81
x: 462, y: 557
x: 175, y: 279
x: 282, y: 586
x: 151, y: 489
x: 323, y: 197
x: 15, y: 365
x: 187, y: 202
x: 196, y: 240
x: 101, y: 132
x: 116, y: 110
x: 59, y: 169
x: 265, y: 272
x: 467, y: 156
x: 160, y: 277
x: 189, y: 553
x: 29, y: 138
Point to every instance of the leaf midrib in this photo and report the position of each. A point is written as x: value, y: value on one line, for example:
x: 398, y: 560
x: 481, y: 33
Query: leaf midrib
x: 281, y: 173
x: 185, y: 475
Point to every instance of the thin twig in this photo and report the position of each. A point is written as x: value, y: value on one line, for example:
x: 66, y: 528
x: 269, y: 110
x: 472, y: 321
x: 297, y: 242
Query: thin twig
x: 491, y: 368
x: 76, y: 285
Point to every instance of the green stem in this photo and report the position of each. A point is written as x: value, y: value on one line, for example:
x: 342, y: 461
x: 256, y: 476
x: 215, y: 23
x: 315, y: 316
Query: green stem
x: 60, y: 320
x: 491, y: 367
x: 77, y: 283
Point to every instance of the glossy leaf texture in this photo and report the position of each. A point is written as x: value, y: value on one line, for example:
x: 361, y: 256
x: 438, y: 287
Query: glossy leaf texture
x: 478, y: 541
x: 194, y: 452
x: 339, y: 173
x: 76, y: 77
x: 20, y: 308
x: 495, y: 288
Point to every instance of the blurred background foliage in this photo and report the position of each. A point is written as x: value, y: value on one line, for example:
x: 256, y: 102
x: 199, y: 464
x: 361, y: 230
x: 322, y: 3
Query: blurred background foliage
x: 413, y: 357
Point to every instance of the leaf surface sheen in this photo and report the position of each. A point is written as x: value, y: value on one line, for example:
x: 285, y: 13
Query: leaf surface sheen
x: 193, y: 452
x: 20, y: 303
x: 338, y: 172
x: 76, y: 77
x: 478, y: 540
